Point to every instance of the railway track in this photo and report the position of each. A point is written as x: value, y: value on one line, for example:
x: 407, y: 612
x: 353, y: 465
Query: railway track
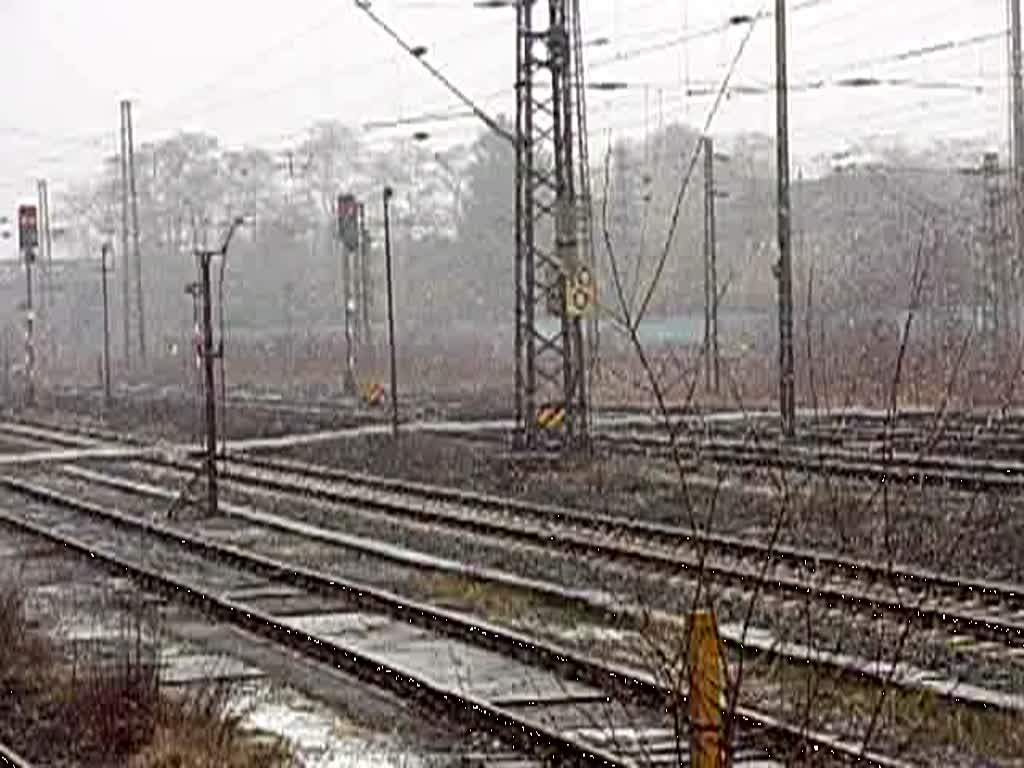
x: 875, y: 464
x: 11, y: 759
x: 981, y: 612
x: 990, y: 611
x: 869, y: 459
x: 219, y: 582
x: 981, y: 435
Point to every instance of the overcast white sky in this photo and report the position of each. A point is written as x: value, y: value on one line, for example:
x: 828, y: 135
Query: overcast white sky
x: 260, y: 71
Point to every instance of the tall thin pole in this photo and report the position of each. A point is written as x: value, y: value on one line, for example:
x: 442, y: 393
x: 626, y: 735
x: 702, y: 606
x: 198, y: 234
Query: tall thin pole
x: 126, y: 284
x: 995, y: 292
x: 209, y: 387
x: 715, y: 356
x: 709, y: 191
x: 136, y: 248
x: 391, y: 311
x: 1017, y: 106
x: 520, y: 246
x: 784, y: 273
x: 48, y: 237
x: 526, y: 171
x: 30, y: 348
x: 104, y: 250
x: 364, y: 280
x: 47, y: 234
x: 1017, y: 93
x: 711, y: 358
x: 43, y: 251
x: 347, y: 255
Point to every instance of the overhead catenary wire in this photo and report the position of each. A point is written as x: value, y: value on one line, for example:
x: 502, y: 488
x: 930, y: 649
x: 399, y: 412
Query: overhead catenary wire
x: 684, y: 185
x: 924, y: 50
x: 910, y: 55
x: 456, y: 112
x: 418, y: 54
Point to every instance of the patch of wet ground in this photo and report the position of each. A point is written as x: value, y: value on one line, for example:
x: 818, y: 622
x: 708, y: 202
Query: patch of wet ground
x: 328, y: 719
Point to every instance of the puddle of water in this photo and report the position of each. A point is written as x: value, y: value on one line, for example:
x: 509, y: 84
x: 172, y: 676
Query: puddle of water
x: 86, y: 613
x: 318, y: 736
x: 592, y: 632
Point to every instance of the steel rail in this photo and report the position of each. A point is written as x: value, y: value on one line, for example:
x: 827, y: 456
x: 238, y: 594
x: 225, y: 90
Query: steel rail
x: 546, y: 536
x: 12, y: 759
x: 901, y: 467
x: 857, y: 670
x: 665, y: 535
x: 782, y: 737
x: 989, y: 592
x: 378, y: 672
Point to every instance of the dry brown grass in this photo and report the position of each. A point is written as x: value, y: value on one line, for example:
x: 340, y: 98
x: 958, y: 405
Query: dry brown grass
x: 197, y: 729
x: 24, y: 652
x: 499, y: 603
x: 109, y: 709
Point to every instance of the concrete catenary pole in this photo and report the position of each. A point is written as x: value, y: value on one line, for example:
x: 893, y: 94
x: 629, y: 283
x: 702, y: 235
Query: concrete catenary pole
x: 388, y: 193
x: 136, y: 247
x: 1017, y: 151
x: 126, y: 284
x: 784, y: 268
x: 104, y: 250
x: 711, y: 362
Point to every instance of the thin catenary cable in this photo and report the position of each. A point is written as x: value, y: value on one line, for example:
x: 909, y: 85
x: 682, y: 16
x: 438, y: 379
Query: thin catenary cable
x: 684, y: 185
x: 489, y: 121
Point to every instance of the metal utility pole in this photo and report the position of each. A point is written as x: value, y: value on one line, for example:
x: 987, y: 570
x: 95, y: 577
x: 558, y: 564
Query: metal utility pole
x: 391, y: 311
x: 47, y: 235
x: 364, y: 279
x: 136, y: 248
x: 784, y: 268
x: 348, y: 239
x: 711, y: 357
x: 209, y: 385
x: 209, y: 354
x: 1017, y: 108
x: 104, y: 250
x: 126, y: 284
x: 43, y: 256
x: 30, y: 348
x: 995, y: 272
x: 552, y: 196
x: 1017, y: 159
x: 194, y: 371
x: 28, y: 242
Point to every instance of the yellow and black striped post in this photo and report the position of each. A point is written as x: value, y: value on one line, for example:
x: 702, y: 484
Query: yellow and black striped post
x: 707, y: 693
x: 374, y: 394
x: 551, y: 416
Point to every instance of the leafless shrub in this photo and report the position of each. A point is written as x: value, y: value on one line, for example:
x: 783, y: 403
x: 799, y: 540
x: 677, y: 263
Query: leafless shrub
x: 104, y: 704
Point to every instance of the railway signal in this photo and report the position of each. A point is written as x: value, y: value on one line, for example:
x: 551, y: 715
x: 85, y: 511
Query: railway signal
x: 28, y: 241
x: 208, y: 354
x: 28, y: 230
x: 348, y: 211
x: 348, y: 221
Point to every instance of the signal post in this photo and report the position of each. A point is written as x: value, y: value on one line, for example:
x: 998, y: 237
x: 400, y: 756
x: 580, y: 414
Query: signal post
x: 28, y: 242
x: 349, y: 215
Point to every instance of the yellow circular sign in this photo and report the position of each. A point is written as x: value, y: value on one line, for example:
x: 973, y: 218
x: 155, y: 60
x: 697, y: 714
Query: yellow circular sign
x: 579, y: 299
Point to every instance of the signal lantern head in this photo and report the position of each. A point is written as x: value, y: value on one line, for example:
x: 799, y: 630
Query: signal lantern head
x: 348, y: 220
